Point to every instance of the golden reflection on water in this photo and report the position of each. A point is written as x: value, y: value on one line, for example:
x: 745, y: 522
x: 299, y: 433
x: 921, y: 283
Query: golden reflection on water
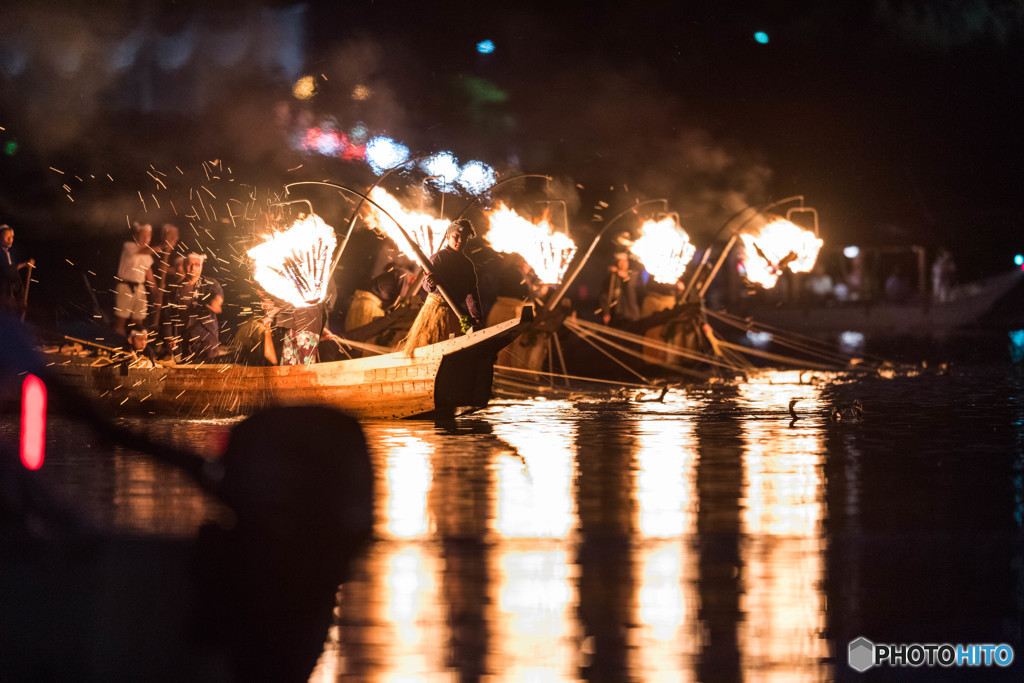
x: 483, y: 565
x: 668, y: 631
x: 783, y: 556
x: 534, y: 490
x: 402, y: 501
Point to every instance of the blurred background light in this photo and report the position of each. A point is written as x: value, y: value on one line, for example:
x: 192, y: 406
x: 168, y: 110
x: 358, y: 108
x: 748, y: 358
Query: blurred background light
x: 476, y: 177
x: 304, y: 88
x: 358, y: 134
x: 759, y: 339
x: 851, y: 341
x: 124, y: 53
x: 1019, y: 259
x: 443, y: 165
x: 851, y: 252
x: 172, y: 52
x: 383, y: 153
x: 761, y: 37
x: 485, y: 47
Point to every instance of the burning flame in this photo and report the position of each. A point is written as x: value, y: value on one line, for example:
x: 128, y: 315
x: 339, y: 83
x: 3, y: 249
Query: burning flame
x: 293, y: 264
x: 548, y: 252
x: 779, y: 245
x: 427, y: 231
x: 664, y: 248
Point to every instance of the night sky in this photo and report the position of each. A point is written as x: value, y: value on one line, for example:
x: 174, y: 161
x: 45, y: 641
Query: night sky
x: 900, y: 122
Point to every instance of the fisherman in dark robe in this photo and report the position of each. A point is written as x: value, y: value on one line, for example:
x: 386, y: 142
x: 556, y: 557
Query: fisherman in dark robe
x: 12, y: 284
x: 455, y: 272
x: 197, y: 302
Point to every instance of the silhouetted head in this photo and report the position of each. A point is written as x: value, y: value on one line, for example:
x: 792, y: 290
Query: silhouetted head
x: 300, y: 482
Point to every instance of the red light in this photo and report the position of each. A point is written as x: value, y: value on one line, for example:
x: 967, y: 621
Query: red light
x: 33, y: 422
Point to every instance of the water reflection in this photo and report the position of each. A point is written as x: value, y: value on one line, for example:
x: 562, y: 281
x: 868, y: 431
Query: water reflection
x: 704, y: 538
x: 782, y: 553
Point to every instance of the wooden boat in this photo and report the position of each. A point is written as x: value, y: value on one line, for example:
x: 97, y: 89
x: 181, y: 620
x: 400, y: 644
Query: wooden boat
x: 968, y: 306
x: 438, y: 380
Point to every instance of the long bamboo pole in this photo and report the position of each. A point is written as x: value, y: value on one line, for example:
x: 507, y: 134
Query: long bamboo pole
x: 24, y: 300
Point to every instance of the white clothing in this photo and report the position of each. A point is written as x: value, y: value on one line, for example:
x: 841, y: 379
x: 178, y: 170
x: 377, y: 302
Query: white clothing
x: 133, y: 265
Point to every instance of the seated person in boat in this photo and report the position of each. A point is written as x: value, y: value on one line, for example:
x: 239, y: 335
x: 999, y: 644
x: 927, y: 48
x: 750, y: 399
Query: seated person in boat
x: 456, y: 274
x: 138, y: 352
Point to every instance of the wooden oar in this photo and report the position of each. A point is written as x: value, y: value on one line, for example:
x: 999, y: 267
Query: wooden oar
x: 24, y: 301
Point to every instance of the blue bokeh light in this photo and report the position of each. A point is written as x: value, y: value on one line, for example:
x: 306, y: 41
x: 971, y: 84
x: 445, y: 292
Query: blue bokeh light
x: 485, y: 47
x: 383, y: 153
x: 1019, y: 259
x: 761, y: 37
x: 476, y: 177
x: 444, y: 166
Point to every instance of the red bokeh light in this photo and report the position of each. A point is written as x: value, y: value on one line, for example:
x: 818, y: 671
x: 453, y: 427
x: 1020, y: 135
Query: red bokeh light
x: 33, y: 422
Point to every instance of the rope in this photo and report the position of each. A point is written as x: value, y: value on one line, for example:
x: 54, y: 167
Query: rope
x: 582, y: 334
x: 637, y: 339
x: 558, y: 375
x: 635, y: 354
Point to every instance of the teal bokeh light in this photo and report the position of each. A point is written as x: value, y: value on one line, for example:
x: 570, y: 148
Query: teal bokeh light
x: 761, y: 37
x: 485, y: 47
x: 1019, y: 259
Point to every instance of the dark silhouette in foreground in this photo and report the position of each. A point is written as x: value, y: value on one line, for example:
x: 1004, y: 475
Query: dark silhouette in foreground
x: 249, y: 599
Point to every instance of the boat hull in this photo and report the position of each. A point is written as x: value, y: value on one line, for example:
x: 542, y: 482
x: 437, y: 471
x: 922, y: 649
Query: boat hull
x: 434, y: 381
x: 968, y: 308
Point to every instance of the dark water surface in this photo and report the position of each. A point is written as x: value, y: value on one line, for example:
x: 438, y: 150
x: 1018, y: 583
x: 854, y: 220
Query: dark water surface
x: 707, y: 538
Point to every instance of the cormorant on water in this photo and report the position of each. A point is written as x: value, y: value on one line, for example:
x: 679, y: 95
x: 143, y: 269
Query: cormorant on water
x: 792, y: 412
x: 850, y: 413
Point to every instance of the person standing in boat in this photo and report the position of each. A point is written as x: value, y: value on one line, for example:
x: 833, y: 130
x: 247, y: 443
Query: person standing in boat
x: 134, y: 277
x: 197, y: 302
x: 454, y: 271
x: 202, y: 334
x: 162, y: 271
x: 943, y: 272
x: 379, y: 296
x: 619, y: 301
x: 516, y: 285
x: 12, y: 286
x: 303, y: 329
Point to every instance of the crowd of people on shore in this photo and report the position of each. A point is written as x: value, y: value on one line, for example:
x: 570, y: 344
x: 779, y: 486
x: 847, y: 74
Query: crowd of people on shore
x: 880, y: 280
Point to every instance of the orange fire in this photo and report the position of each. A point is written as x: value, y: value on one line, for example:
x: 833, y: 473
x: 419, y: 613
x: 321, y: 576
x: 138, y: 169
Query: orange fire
x: 778, y: 246
x: 664, y: 248
x: 427, y: 231
x: 548, y: 252
x: 293, y: 264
